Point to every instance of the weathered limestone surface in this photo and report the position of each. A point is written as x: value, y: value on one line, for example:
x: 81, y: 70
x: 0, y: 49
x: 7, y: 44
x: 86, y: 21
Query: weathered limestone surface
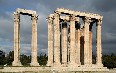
x: 90, y: 47
x: 34, y: 61
x: 64, y: 44
x: 50, y: 41
x: 72, y: 41
x: 72, y: 45
x: 77, y: 37
x: 99, y: 47
x: 86, y: 40
x: 56, y: 40
x: 34, y: 18
x: 16, y: 61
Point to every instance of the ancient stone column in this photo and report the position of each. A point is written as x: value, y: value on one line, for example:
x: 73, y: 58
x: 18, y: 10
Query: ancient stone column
x: 50, y: 41
x: 68, y: 42
x: 56, y: 40
x: 90, y: 43
x: 99, y: 47
x: 72, y: 41
x: 34, y: 61
x: 64, y: 43
x: 86, y: 40
x: 77, y: 37
x: 16, y: 61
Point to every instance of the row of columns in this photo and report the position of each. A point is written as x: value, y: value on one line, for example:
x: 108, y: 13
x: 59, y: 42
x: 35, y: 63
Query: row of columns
x: 72, y: 56
x: 16, y: 61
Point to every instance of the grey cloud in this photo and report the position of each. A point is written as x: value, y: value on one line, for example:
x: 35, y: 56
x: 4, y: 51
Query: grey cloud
x: 104, y: 5
x: 46, y: 7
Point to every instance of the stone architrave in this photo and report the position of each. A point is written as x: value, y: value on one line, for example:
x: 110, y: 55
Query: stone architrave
x: 99, y: 47
x: 56, y: 40
x: 87, y: 21
x: 64, y: 43
x: 50, y: 41
x: 72, y: 41
x: 34, y: 61
x: 16, y: 61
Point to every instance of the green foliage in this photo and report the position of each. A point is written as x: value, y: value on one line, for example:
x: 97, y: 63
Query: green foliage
x: 25, y: 60
x: 42, y: 59
x: 10, y: 58
x: 109, y: 61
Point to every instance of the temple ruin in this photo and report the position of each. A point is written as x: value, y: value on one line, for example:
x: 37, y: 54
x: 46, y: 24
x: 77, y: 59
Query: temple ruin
x: 34, y: 18
x: 69, y: 42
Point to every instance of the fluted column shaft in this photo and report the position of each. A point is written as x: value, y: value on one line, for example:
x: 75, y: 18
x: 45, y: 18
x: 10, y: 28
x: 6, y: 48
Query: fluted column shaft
x: 86, y: 40
x: 50, y: 42
x: 16, y: 61
x: 99, y: 47
x: 56, y: 40
x: 77, y: 37
x: 64, y: 43
x: 90, y: 45
x: 72, y: 40
x: 34, y: 61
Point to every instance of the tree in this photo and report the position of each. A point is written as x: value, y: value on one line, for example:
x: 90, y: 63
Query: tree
x: 2, y: 57
x: 42, y: 59
x: 10, y: 58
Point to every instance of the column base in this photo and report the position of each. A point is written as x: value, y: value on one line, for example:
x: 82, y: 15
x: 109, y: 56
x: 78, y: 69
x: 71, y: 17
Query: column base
x: 72, y: 65
x: 34, y: 64
x: 57, y: 64
x: 14, y: 63
x: 49, y: 64
x: 99, y: 64
x: 64, y: 65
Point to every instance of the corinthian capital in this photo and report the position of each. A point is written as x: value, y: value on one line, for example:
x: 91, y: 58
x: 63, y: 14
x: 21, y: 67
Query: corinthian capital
x: 16, y: 17
x: 87, y: 20
x: 49, y: 19
x: 34, y: 17
x: 72, y: 18
x: 99, y: 21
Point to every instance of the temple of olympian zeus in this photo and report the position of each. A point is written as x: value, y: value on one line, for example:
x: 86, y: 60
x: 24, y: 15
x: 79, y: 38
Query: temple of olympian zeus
x: 69, y: 40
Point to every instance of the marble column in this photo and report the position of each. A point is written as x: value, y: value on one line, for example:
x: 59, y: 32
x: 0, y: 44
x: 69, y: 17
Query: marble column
x: 64, y: 43
x: 72, y: 41
x: 99, y: 46
x: 68, y: 42
x: 56, y: 40
x: 90, y: 43
x: 77, y: 37
x: 50, y: 41
x: 34, y: 61
x: 16, y: 61
x: 86, y: 40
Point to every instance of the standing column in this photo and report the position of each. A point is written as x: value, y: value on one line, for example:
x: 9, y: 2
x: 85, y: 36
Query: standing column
x: 72, y: 41
x: 16, y: 61
x: 99, y: 47
x: 34, y: 61
x: 90, y: 43
x: 68, y: 42
x: 56, y: 40
x: 64, y: 43
x: 50, y: 41
x: 86, y: 40
x: 77, y: 33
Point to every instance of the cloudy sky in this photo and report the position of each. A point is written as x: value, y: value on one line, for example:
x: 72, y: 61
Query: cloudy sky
x: 106, y: 8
